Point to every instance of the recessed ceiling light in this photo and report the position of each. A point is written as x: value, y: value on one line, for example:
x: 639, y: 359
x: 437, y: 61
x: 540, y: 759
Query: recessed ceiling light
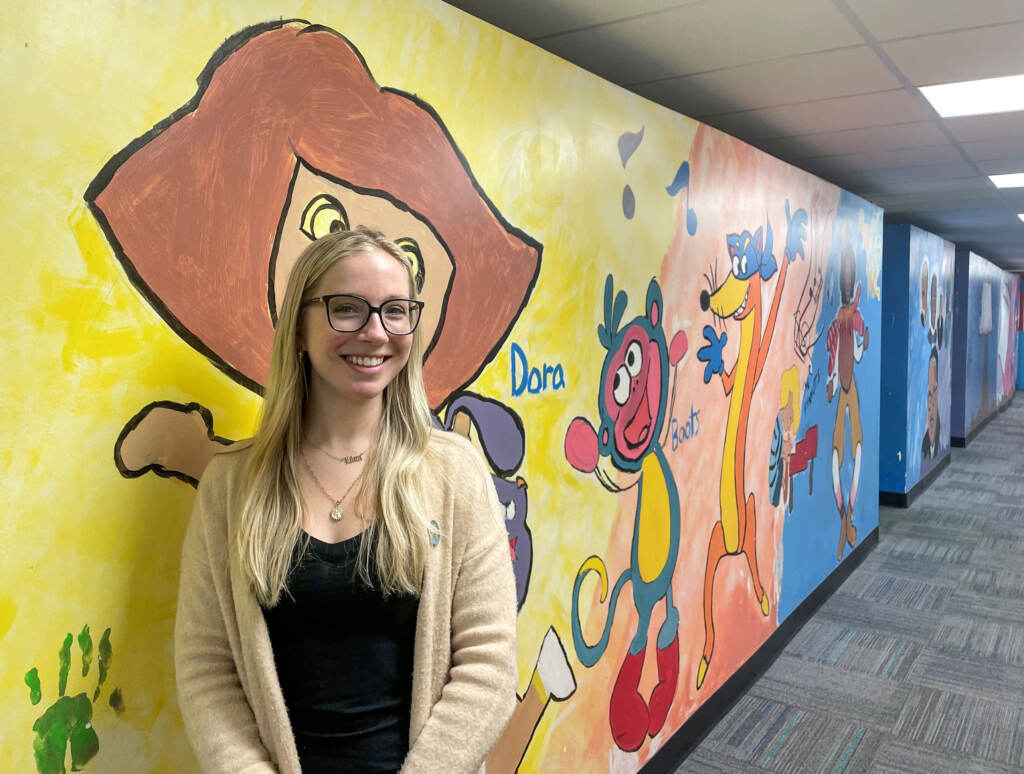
x: 1016, y: 180
x: 1020, y: 215
x: 972, y: 98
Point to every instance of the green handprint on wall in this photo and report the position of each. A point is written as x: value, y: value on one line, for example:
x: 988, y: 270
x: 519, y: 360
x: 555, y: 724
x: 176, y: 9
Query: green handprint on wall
x: 67, y: 723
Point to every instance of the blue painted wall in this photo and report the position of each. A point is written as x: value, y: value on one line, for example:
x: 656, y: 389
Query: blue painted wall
x: 892, y: 473
x: 1020, y: 360
x: 917, y: 314
x: 931, y: 305
x: 983, y: 293
x: 1020, y: 339
x: 961, y: 293
x: 809, y: 533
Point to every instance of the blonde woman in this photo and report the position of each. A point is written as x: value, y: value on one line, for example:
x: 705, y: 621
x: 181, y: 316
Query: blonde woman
x: 347, y: 601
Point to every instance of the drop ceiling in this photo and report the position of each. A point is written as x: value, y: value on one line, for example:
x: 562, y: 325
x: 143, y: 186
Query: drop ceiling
x: 827, y: 85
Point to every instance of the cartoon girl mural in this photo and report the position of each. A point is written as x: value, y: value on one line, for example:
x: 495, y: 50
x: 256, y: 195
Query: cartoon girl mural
x: 287, y: 138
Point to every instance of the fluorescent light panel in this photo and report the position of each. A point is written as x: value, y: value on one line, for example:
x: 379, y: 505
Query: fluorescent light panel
x: 1020, y: 215
x: 972, y: 98
x: 1016, y: 180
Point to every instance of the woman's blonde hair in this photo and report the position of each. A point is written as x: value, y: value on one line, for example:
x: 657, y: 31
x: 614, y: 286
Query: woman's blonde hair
x: 271, y: 521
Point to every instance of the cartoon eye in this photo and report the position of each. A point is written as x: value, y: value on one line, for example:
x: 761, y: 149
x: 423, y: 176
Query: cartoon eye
x: 743, y: 265
x: 634, y: 358
x: 620, y: 387
x: 736, y: 265
x: 510, y: 512
x: 412, y: 252
x: 323, y: 215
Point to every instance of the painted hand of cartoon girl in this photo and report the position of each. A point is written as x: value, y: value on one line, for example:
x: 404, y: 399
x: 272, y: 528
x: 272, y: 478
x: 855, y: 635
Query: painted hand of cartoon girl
x: 711, y: 353
x: 170, y: 439
x: 796, y: 233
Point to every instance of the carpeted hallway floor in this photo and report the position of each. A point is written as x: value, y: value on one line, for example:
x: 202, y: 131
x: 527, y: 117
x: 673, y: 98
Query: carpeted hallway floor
x: 916, y: 663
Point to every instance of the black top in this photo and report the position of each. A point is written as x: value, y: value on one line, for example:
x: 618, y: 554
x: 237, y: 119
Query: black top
x: 344, y: 657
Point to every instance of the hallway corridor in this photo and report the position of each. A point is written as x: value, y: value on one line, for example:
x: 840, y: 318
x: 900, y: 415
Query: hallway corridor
x: 916, y: 663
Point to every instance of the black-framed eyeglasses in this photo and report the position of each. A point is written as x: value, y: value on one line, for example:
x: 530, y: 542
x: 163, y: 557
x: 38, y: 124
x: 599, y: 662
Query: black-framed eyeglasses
x: 348, y: 314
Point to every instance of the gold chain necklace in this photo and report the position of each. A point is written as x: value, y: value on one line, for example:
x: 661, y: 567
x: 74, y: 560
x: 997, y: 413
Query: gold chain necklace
x: 347, y: 460
x: 337, y: 512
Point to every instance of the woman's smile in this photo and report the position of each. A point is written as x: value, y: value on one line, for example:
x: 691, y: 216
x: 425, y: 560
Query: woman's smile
x: 365, y: 362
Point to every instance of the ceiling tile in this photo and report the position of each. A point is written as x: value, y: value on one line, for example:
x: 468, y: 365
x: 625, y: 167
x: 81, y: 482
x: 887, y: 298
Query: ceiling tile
x: 997, y: 126
x: 927, y: 190
x: 974, y: 217
x: 1002, y: 166
x: 924, y: 174
x: 983, y: 150
x: 820, y: 75
x: 884, y: 159
x: 877, y: 109
x: 887, y: 19
x: 531, y: 19
x: 993, y: 242
x: 965, y: 194
x: 701, y: 37
x: 965, y: 55
x: 888, y: 137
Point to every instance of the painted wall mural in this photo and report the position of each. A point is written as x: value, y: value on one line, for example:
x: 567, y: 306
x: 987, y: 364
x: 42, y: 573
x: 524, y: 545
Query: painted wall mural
x: 663, y: 341
x: 989, y: 353
x: 1008, y: 300
x: 922, y: 302
x: 928, y: 355
x: 1020, y: 336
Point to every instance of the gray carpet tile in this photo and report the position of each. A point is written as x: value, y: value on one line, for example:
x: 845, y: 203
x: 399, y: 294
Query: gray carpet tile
x: 972, y: 726
x: 866, y: 699
x: 763, y: 735
x: 896, y: 756
x: 925, y: 569
x: 1003, y: 582
x: 984, y: 677
x: 903, y: 592
x: 965, y: 636
x: 1001, y: 608
x: 916, y: 663
x: 873, y: 616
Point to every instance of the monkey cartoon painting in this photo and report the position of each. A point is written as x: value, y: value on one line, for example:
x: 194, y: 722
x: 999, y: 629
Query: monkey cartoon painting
x: 633, y: 402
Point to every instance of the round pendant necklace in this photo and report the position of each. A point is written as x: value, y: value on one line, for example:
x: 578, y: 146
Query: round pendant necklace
x: 337, y: 512
x: 347, y: 460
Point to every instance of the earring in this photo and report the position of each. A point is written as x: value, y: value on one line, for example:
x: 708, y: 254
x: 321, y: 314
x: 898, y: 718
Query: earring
x: 303, y: 364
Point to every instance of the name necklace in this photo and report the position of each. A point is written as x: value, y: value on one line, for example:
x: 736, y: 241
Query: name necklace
x: 337, y: 512
x: 347, y: 460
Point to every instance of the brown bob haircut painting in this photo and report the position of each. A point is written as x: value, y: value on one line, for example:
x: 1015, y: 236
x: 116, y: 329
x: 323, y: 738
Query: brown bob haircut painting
x: 194, y: 208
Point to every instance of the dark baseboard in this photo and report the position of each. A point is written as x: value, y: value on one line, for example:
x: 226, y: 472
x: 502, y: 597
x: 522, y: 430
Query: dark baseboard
x: 895, y: 499
x: 962, y: 442
x: 906, y: 499
x: 689, y: 735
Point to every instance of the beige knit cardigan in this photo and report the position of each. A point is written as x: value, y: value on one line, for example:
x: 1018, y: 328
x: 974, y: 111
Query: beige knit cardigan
x: 464, y: 675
